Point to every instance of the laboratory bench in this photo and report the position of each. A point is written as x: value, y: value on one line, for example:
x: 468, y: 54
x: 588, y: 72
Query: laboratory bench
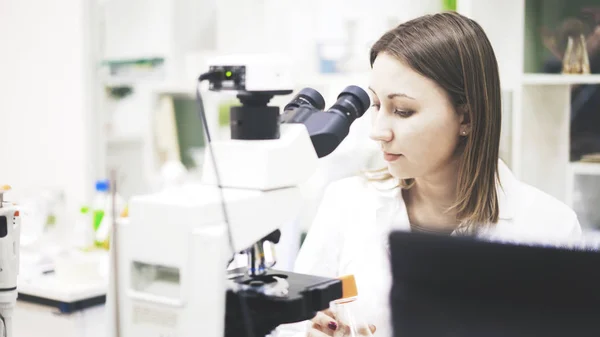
x: 35, y: 320
x: 70, y: 303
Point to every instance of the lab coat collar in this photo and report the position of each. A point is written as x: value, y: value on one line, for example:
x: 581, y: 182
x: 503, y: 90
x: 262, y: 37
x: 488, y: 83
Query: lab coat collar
x: 391, y: 211
x: 506, y: 190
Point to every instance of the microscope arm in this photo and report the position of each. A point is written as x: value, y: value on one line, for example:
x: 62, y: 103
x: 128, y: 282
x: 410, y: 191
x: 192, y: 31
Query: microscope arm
x: 264, y: 173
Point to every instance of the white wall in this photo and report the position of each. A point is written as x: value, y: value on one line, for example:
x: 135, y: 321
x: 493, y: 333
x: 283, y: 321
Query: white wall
x: 293, y: 27
x: 44, y: 97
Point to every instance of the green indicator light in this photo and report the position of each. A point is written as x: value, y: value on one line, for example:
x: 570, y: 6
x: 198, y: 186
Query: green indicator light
x: 228, y: 73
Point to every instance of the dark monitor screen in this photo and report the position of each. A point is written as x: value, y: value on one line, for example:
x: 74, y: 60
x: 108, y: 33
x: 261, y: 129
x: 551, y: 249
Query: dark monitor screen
x: 462, y: 287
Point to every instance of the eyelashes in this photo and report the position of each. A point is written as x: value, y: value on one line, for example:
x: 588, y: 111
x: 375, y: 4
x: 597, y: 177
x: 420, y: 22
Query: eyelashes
x: 403, y: 113
x: 398, y: 112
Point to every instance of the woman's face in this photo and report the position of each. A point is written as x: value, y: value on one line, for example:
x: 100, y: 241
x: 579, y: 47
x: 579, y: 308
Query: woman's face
x: 413, y: 119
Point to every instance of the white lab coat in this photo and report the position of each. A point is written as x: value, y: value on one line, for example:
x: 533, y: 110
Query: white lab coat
x: 355, y: 154
x: 350, y: 232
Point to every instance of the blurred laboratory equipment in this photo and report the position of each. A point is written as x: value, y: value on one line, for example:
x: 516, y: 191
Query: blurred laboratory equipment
x: 172, y: 174
x: 10, y: 230
x: 44, y: 212
x: 83, y: 236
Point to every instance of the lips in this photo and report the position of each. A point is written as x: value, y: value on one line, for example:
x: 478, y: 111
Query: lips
x: 390, y: 157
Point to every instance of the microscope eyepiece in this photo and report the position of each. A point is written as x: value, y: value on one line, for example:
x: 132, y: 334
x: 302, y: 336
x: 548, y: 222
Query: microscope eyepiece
x: 307, y: 96
x: 327, y: 128
x: 353, y: 101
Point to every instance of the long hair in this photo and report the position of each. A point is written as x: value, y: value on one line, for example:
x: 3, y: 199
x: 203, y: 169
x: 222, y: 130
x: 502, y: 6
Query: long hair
x: 454, y: 51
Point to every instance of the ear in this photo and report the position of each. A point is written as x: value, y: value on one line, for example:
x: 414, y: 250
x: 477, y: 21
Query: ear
x: 465, y: 120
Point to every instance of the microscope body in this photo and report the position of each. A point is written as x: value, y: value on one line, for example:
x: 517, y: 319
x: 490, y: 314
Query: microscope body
x: 172, y: 278
x: 174, y: 248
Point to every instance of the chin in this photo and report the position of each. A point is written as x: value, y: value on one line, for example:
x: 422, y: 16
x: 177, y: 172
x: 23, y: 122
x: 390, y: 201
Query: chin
x: 399, y: 172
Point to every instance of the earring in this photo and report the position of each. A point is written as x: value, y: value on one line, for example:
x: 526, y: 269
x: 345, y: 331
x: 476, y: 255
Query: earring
x: 464, y: 133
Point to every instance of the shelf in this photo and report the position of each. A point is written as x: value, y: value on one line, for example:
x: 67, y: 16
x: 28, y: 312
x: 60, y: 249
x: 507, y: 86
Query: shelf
x: 559, y: 79
x: 131, y: 81
x: 123, y: 139
x: 583, y: 168
x: 117, y: 82
x: 175, y: 89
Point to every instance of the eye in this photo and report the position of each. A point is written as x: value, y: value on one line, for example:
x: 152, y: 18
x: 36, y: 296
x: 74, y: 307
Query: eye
x: 376, y: 106
x: 403, y: 113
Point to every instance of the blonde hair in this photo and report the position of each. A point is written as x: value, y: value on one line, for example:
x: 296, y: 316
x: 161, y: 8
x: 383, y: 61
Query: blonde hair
x: 454, y: 51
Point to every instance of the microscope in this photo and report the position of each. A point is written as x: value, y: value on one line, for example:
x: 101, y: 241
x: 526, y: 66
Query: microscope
x: 172, y: 276
x: 10, y: 230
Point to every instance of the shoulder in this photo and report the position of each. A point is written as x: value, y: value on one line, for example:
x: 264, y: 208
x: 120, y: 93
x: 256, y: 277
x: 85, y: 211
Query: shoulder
x: 526, y: 211
x: 538, y: 214
x: 535, y: 203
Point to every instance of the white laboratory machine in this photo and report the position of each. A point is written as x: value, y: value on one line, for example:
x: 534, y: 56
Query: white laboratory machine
x: 10, y: 233
x: 172, y: 254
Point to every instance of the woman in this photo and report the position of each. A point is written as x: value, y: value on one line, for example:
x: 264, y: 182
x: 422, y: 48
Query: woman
x: 436, y: 115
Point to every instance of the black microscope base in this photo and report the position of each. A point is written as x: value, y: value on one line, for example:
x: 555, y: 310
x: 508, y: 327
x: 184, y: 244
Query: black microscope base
x: 248, y: 311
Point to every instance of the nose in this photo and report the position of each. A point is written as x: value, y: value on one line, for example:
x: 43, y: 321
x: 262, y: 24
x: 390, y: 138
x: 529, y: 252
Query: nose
x: 381, y: 130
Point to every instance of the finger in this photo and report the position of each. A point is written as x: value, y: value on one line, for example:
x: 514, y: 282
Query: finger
x: 317, y: 333
x: 324, y: 330
x: 328, y: 329
x: 325, y: 321
x: 329, y: 313
x: 363, y: 330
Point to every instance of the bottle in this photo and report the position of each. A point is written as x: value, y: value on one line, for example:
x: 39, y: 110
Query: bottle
x: 347, y: 313
x: 103, y: 213
x: 83, y: 233
x: 100, y: 203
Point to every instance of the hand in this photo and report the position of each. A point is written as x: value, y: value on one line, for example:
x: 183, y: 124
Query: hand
x: 325, y: 324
